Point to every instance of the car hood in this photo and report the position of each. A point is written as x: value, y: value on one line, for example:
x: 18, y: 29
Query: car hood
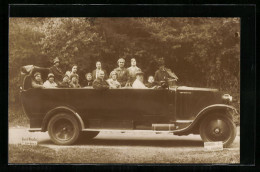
x: 185, y: 88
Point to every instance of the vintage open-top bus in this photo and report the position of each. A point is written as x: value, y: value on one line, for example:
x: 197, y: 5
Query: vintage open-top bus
x: 70, y: 113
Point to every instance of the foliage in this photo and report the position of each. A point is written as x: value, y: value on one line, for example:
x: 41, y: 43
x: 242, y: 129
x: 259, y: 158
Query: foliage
x: 201, y: 51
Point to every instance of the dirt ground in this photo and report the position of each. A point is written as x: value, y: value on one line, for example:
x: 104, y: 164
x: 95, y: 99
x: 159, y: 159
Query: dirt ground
x: 116, y: 147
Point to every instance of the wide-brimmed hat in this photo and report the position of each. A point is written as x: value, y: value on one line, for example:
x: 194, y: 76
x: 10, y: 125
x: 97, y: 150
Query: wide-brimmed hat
x: 50, y: 75
x: 36, y: 73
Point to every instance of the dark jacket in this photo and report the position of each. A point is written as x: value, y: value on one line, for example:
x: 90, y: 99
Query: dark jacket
x: 161, y: 75
x: 122, y: 75
x: 100, y: 84
x: 58, y: 74
x: 87, y: 83
x: 150, y: 85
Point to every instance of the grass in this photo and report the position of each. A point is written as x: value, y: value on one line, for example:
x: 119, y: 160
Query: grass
x: 39, y: 154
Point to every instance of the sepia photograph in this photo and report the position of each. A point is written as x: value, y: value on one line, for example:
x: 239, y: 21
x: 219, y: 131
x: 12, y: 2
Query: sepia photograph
x: 124, y: 90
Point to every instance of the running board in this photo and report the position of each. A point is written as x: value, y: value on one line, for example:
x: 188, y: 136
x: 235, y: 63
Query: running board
x: 123, y: 131
x: 35, y: 130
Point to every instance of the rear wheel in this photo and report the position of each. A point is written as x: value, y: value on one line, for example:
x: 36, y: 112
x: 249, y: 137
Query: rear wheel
x: 218, y: 128
x: 63, y: 129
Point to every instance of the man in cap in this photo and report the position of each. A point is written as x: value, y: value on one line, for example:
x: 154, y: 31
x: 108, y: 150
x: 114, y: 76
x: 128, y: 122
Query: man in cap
x: 56, y: 70
x: 163, y: 73
x: 139, y: 81
x: 49, y: 83
x: 100, y: 83
x: 37, y: 80
x: 121, y: 71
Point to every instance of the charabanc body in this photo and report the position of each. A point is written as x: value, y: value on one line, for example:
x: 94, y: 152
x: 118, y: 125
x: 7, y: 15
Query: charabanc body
x: 70, y: 113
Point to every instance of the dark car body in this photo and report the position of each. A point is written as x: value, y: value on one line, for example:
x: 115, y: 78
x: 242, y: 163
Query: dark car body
x: 179, y: 109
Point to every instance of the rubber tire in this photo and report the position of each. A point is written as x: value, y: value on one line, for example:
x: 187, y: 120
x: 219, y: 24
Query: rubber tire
x: 230, y: 124
x: 87, y: 135
x: 74, y: 123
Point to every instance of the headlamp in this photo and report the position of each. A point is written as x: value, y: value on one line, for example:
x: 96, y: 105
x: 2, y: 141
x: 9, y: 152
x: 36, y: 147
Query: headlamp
x: 227, y: 97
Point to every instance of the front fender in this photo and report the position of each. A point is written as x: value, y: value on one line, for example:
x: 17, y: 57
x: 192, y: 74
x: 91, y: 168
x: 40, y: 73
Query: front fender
x: 226, y: 111
x: 61, y: 109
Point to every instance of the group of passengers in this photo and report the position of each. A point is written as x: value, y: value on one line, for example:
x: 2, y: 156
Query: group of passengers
x: 99, y: 79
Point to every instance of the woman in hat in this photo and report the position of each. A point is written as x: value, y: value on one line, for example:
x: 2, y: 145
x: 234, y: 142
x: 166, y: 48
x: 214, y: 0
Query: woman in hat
x: 37, y: 80
x: 50, y: 83
x: 112, y: 81
x: 56, y: 70
x: 74, y: 81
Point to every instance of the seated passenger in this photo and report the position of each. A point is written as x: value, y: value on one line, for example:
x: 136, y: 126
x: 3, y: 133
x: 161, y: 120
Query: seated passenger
x: 138, y: 83
x: 37, y: 80
x: 73, y: 70
x: 121, y: 72
x: 131, y: 71
x: 100, y: 83
x: 164, y: 73
x: 56, y: 70
x: 49, y: 83
x: 112, y: 81
x: 74, y: 83
x: 151, y: 83
x: 97, y: 70
x: 65, y: 82
x: 88, y: 82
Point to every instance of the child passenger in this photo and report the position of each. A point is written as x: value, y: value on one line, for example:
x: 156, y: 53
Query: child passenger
x: 112, y: 81
x: 49, y: 83
x: 74, y: 83
x: 151, y: 82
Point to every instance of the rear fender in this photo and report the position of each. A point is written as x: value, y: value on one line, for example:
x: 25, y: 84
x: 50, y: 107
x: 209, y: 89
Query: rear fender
x: 224, y: 110
x: 61, y: 109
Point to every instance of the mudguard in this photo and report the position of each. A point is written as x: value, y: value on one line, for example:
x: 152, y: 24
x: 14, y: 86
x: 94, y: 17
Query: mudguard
x: 226, y: 109
x: 61, y: 109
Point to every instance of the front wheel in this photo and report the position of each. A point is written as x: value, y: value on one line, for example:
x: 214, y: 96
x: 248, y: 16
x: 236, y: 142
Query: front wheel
x: 218, y: 128
x: 63, y: 129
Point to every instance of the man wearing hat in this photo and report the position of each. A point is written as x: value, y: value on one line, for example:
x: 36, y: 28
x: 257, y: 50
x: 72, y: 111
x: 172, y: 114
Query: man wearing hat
x: 56, y: 70
x: 139, y: 81
x: 49, y: 83
x: 37, y: 80
x: 163, y: 73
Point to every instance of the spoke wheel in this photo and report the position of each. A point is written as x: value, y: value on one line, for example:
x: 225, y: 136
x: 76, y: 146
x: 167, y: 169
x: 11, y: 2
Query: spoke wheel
x: 218, y: 128
x: 63, y: 129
